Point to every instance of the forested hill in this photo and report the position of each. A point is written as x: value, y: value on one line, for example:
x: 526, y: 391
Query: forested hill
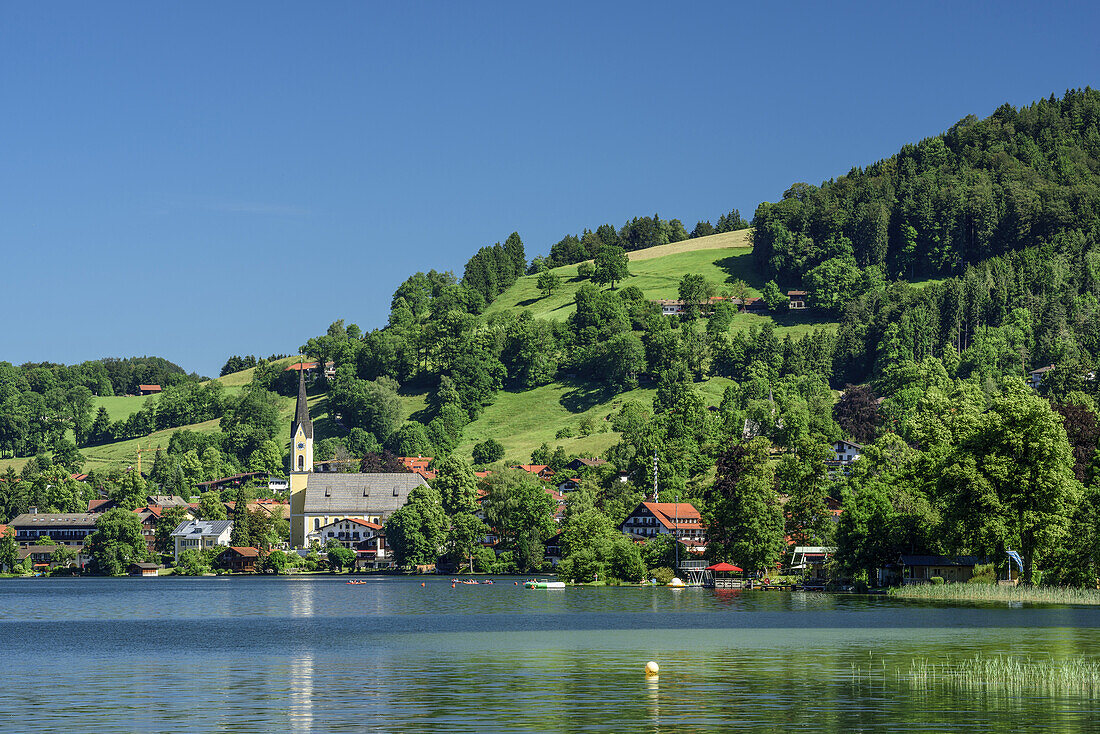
x: 1026, y: 177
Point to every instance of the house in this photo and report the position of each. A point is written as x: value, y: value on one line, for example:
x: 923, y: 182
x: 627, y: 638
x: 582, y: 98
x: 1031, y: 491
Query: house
x: 67, y: 528
x: 551, y: 550
x: 150, y: 518
x: 539, y: 470
x: 239, y: 559
x: 166, y: 500
x: 569, y: 485
x: 676, y: 307
x: 842, y: 454
x: 1035, y: 377
x: 796, y: 300
x: 230, y: 482
x: 278, y: 484
x: 679, y: 519
x: 200, y: 535
x: 148, y: 389
x: 349, y: 532
x: 582, y: 464
x: 921, y: 569
x: 145, y: 570
x: 41, y: 556
x: 330, y: 370
x: 418, y: 465
x: 755, y: 305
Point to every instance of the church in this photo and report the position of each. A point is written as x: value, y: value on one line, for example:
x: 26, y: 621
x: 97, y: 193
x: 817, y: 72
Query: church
x: 318, y: 498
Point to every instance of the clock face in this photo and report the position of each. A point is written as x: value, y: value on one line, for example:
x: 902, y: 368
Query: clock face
x: 301, y: 445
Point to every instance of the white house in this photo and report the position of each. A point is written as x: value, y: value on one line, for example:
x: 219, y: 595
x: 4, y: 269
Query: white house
x: 679, y: 519
x: 200, y: 535
x: 845, y: 452
x: 278, y: 484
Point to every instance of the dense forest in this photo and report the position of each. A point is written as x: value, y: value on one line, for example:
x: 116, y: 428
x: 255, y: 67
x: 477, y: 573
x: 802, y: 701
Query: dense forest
x: 952, y: 270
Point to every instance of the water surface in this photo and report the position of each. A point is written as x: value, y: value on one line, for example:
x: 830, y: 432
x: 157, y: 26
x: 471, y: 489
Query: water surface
x: 313, y: 654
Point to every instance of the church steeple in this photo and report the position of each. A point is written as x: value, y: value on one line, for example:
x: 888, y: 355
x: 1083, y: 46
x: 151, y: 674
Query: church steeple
x: 301, y: 430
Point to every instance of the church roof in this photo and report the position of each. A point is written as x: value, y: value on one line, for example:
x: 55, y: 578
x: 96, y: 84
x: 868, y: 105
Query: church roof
x: 301, y: 411
x: 337, y: 493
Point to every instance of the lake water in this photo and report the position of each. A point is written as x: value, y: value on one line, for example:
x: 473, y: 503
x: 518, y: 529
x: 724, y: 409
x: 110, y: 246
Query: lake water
x: 314, y: 654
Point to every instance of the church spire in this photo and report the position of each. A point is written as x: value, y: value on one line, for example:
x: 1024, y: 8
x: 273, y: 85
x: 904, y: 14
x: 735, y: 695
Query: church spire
x: 301, y: 412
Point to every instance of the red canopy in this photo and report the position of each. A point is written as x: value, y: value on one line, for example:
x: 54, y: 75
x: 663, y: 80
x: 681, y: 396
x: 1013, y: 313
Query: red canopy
x: 724, y: 567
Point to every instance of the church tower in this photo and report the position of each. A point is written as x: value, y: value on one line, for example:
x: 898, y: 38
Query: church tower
x: 301, y: 462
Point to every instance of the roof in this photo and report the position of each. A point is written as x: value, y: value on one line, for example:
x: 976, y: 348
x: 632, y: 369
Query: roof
x: 357, y: 521
x: 796, y: 293
x: 588, y: 462
x: 534, y: 468
x: 673, y: 514
x: 301, y: 409
x: 94, y: 505
x: 247, y: 552
x: 54, y: 520
x: 34, y: 550
x: 149, y: 388
x: 203, y: 527
x: 941, y: 560
x: 850, y: 443
x: 145, y: 566
x: 299, y: 366
x: 332, y: 493
x: 415, y: 463
x: 1042, y: 370
x: 167, y: 500
x: 78, y: 477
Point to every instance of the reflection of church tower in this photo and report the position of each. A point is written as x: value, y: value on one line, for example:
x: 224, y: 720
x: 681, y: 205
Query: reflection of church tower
x: 301, y: 431
x: 301, y: 462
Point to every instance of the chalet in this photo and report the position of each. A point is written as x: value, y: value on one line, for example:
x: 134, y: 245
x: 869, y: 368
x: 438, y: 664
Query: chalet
x: 842, y: 454
x: 200, y: 535
x: 348, y: 531
x: 67, y: 528
x: 754, y: 305
x: 41, y: 556
x: 239, y: 559
x: 539, y: 470
x: 551, y: 550
x: 330, y: 370
x: 150, y: 518
x: 921, y: 569
x: 230, y: 482
x: 582, y: 464
x: 148, y: 389
x: 278, y: 484
x: 796, y: 300
x: 1035, y: 377
x: 145, y: 570
x: 679, y: 519
x: 569, y: 485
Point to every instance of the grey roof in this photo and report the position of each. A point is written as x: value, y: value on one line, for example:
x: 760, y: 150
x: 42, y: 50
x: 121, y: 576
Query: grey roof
x: 301, y: 410
x: 167, y: 500
x: 202, y: 527
x: 942, y: 560
x: 337, y: 493
x: 55, y: 520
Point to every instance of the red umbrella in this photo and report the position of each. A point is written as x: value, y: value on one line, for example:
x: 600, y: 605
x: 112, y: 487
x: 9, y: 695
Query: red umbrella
x: 724, y: 567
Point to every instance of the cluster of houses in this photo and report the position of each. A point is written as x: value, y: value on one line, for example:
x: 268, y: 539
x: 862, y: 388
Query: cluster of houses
x: 796, y: 301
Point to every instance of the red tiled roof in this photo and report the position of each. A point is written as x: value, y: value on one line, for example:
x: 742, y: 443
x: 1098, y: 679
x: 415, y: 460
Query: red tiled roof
x: 78, y: 477
x: 247, y: 552
x: 93, y: 504
x: 674, y: 514
x: 415, y: 463
x: 364, y: 523
x: 149, y: 388
x: 299, y: 366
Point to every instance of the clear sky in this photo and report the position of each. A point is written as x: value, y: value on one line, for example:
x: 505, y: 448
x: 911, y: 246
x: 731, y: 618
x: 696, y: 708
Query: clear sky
x: 194, y: 180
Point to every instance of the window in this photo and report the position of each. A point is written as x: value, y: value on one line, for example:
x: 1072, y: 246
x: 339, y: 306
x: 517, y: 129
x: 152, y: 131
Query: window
x: 301, y: 462
x: 316, y: 523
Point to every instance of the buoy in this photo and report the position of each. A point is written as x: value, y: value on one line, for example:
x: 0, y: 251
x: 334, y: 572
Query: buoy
x: 452, y: 585
x: 652, y: 668
x: 421, y: 583
x: 515, y: 583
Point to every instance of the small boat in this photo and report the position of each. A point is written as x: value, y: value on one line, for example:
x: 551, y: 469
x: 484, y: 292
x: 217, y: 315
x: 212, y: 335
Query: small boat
x: 469, y: 582
x: 543, y: 584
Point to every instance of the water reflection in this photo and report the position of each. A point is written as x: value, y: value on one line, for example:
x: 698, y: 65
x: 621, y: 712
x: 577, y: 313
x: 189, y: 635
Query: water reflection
x: 300, y: 711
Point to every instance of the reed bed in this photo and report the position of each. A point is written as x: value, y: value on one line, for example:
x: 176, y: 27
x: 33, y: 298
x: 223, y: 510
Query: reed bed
x: 1005, y: 673
x: 994, y: 593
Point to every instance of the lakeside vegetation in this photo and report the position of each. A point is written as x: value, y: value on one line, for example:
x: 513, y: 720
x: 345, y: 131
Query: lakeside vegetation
x: 995, y: 593
x: 1007, y: 673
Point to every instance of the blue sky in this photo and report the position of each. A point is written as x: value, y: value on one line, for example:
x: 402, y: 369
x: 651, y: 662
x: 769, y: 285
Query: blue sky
x: 195, y: 180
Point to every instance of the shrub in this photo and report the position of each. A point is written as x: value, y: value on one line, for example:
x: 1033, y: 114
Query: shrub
x: 936, y: 580
x: 984, y: 575
x: 564, y: 433
x: 662, y: 575
x: 588, y: 426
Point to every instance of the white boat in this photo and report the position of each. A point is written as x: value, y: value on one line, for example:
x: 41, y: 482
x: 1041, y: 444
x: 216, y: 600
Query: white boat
x: 543, y: 584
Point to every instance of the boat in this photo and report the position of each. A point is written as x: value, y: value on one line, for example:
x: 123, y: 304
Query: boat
x: 543, y: 584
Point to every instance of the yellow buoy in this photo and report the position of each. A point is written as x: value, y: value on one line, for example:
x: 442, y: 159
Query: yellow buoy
x: 652, y: 668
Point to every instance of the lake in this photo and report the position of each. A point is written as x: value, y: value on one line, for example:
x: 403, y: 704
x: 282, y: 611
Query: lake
x: 314, y: 654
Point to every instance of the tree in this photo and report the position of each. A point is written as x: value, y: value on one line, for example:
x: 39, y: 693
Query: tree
x: 117, y: 542
x: 585, y: 270
x: 268, y: 458
x: 169, y: 520
x: 382, y: 463
x: 488, y: 451
x: 277, y: 561
x: 339, y: 557
x: 416, y: 531
x: 457, y: 486
x: 777, y: 302
x: 521, y: 512
x: 9, y: 550
x: 192, y: 562
x: 611, y: 266
x: 464, y: 536
x: 693, y: 291
x: 241, y: 536
x: 62, y: 556
x: 211, y: 507
x: 130, y: 493
x: 801, y: 477
x: 547, y: 281
x: 743, y: 514
x: 857, y: 413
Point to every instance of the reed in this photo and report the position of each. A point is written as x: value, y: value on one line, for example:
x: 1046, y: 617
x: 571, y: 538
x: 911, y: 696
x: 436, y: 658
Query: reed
x: 1007, y: 673
x: 993, y: 593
